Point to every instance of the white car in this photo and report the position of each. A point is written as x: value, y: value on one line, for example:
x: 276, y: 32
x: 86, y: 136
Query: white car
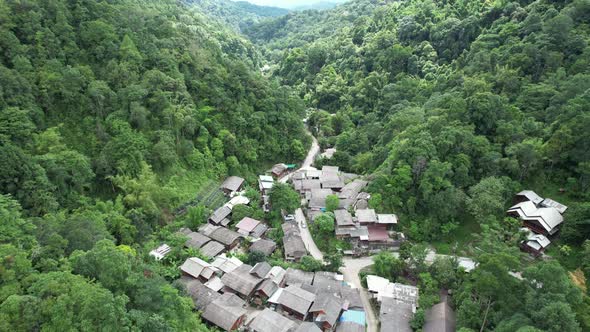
x: 289, y: 217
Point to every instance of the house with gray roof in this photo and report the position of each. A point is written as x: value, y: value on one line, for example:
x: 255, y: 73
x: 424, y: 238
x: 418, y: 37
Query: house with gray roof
x: 266, y: 289
x: 197, y: 268
x: 318, y: 198
x: 328, y: 282
x: 326, y: 311
x: 226, y: 264
x: 310, y: 184
x: 265, y: 246
x: 226, y: 236
x: 386, y: 219
x: 352, y: 296
x: 541, y: 215
x: 197, y: 291
x: 277, y: 275
x: 543, y: 220
x: 196, y: 240
x: 528, y: 195
x: 298, y: 277
x: 231, y: 185
x: 247, y: 225
x: 343, y: 218
x: 259, y: 231
x: 295, y: 301
x: 352, y: 189
x: 395, y: 315
x: 294, y: 247
x: 278, y: 170
x: 308, y: 327
x: 548, y: 202
x: 349, y: 296
x: 331, y: 179
x: 534, y: 244
x: 215, y: 284
x: 218, y: 216
x: 260, y: 269
x: 212, y: 249
x: 366, y: 216
x: 271, y: 321
x: 207, y: 229
x: 227, y: 312
x: 440, y: 318
x: 241, y: 281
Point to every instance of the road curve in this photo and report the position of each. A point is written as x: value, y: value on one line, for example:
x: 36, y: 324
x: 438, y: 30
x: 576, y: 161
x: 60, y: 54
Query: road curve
x: 308, y: 161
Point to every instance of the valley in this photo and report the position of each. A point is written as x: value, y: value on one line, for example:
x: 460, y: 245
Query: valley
x: 374, y: 165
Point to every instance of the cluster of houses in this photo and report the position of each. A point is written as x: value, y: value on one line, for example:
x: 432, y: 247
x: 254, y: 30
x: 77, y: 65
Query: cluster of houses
x: 215, y: 237
x: 541, y: 217
x: 398, y: 303
x: 233, y: 295
x: 366, y: 230
x: 263, y: 298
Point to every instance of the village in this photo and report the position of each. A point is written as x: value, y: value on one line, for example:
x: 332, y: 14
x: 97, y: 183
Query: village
x: 233, y: 295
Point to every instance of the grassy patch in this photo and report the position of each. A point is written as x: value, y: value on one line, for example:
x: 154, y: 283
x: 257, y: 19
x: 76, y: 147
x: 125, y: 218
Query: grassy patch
x: 457, y: 242
x: 570, y: 261
x: 185, y: 183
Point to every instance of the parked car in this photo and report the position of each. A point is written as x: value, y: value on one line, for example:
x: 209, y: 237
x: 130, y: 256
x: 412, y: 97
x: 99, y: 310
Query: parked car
x: 289, y: 217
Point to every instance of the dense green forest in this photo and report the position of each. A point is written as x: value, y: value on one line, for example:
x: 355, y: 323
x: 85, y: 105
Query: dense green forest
x: 444, y: 102
x: 113, y: 113
x: 237, y: 14
x: 452, y: 107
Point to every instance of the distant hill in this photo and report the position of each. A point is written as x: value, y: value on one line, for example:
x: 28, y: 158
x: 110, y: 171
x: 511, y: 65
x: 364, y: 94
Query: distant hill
x: 320, y: 5
x: 237, y: 14
x: 262, y: 11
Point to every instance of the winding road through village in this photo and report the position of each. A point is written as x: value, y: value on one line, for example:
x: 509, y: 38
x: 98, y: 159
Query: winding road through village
x: 351, y: 266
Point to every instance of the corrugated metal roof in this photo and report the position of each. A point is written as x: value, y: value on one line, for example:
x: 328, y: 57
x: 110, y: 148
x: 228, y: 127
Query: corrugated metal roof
x: 248, y: 224
x: 270, y: 321
x: 232, y: 183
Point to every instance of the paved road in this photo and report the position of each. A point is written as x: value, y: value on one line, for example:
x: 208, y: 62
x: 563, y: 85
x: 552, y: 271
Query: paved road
x: 350, y: 271
x: 310, y: 245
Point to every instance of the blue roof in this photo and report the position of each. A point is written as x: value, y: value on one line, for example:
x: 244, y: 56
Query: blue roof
x: 354, y: 316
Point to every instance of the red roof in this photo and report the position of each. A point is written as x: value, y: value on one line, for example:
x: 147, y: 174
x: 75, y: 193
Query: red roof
x: 377, y: 233
x: 248, y: 224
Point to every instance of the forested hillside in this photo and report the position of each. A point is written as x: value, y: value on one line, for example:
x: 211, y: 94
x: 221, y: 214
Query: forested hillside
x: 237, y: 14
x: 113, y: 113
x: 452, y: 107
x: 442, y: 99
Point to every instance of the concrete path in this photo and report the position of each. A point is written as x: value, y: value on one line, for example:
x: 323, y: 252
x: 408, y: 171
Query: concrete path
x: 310, y: 245
x: 350, y: 271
